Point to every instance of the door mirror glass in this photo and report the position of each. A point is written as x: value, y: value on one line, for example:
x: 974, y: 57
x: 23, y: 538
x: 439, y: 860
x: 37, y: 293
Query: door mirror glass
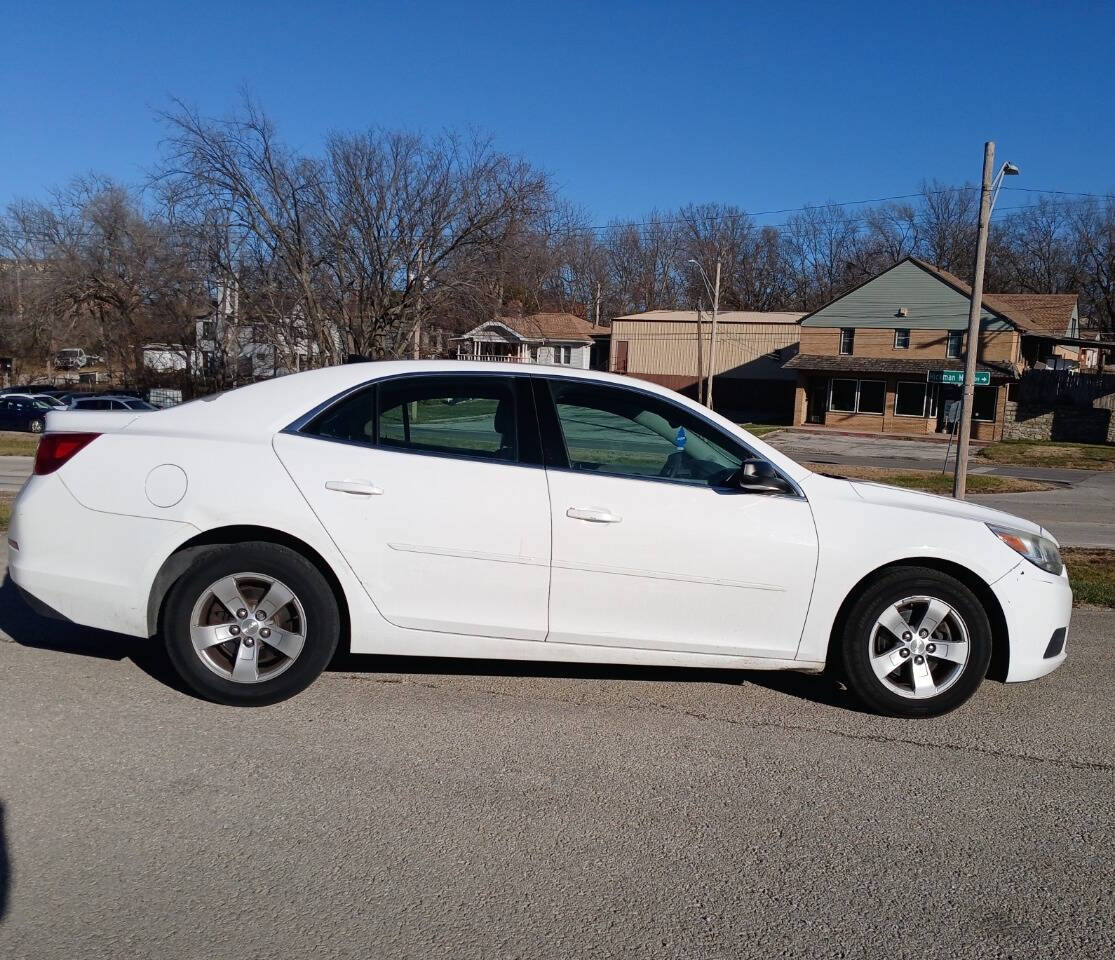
x: 758, y: 476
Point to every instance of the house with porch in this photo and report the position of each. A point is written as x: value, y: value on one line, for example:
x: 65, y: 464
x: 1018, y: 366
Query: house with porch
x: 886, y: 357
x: 558, y: 339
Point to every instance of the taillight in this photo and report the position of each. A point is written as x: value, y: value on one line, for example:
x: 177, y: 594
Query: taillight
x: 56, y: 448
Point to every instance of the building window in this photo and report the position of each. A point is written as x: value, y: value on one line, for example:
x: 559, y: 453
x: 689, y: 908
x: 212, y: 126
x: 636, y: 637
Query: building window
x: 983, y: 408
x: 954, y: 348
x: 847, y: 341
x: 858, y: 396
x: 842, y: 396
x: 872, y: 396
x: 563, y: 355
x: 902, y: 339
x: 208, y: 329
x: 909, y: 399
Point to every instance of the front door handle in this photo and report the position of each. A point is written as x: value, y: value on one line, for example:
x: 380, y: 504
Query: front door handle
x: 593, y: 514
x: 362, y: 488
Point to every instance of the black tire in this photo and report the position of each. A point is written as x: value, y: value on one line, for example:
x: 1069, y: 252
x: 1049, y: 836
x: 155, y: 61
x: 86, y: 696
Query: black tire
x: 856, y: 643
x: 302, y: 578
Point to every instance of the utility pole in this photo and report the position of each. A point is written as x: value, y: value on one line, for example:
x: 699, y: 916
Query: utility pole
x: 700, y: 357
x: 960, y: 481
x: 418, y: 311
x: 712, y: 347
x: 596, y: 322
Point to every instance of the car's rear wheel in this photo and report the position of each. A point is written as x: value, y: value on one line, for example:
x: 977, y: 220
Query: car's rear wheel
x: 250, y: 624
x: 36, y: 426
x: 916, y: 643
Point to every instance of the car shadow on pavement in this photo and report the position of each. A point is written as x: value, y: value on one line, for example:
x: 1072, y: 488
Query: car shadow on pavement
x: 5, y: 867
x: 29, y: 629
x: 816, y: 689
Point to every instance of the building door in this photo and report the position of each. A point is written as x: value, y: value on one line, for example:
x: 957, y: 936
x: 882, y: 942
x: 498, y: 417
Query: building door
x: 816, y: 399
x: 621, y: 356
x: 947, y: 394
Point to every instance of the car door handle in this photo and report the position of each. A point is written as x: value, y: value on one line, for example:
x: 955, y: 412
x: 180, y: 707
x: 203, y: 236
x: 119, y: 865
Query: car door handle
x: 593, y: 515
x: 362, y: 488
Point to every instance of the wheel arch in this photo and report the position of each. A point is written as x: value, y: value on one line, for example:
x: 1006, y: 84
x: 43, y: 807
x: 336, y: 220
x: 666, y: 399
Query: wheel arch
x: 1000, y: 640
x: 180, y: 560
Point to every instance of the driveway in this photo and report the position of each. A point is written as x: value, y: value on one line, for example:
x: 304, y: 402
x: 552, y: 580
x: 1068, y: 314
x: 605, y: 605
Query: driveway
x: 424, y: 808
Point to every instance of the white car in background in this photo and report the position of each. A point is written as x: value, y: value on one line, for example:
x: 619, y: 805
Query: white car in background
x: 465, y: 510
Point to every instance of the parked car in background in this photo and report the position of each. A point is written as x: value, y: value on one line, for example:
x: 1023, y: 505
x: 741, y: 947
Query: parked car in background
x: 543, y: 514
x: 23, y: 413
x: 49, y: 399
x: 110, y: 402
x: 72, y: 358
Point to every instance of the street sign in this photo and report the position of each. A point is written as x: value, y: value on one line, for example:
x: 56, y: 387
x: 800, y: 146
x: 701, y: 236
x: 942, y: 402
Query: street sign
x: 983, y: 378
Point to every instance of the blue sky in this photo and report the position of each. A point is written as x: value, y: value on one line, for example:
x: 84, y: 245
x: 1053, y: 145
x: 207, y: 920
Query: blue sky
x: 629, y: 106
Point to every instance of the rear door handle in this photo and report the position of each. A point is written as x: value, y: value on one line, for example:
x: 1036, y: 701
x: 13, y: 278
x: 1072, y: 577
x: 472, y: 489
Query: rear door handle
x: 593, y: 515
x: 362, y: 488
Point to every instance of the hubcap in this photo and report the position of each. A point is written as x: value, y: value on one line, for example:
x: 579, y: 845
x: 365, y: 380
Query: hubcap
x: 919, y: 647
x: 248, y: 627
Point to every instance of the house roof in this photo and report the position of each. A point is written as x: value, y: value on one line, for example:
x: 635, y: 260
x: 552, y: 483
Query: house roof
x: 1033, y: 313
x: 724, y: 316
x: 1048, y: 312
x: 909, y: 365
x: 545, y: 326
x: 909, y: 283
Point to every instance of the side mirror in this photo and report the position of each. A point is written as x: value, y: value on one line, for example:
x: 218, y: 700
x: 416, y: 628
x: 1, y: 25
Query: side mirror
x: 758, y: 476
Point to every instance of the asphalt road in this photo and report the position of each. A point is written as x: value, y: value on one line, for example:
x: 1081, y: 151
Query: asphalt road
x: 454, y: 809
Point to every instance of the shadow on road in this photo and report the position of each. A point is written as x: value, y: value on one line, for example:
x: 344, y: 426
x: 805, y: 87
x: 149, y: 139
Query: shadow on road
x: 815, y: 689
x: 29, y: 629
x: 5, y: 867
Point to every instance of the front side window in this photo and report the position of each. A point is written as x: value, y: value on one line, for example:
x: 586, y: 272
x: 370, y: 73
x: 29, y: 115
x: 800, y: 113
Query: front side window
x: 454, y: 416
x: 954, y: 349
x: 624, y: 433
x: 909, y: 399
x: 847, y: 341
x: 901, y: 339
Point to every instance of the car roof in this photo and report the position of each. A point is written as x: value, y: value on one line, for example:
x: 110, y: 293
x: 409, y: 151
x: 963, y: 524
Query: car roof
x: 256, y: 412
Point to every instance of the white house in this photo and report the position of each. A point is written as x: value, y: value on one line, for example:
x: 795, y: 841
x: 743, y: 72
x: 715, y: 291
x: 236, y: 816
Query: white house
x: 559, y: 339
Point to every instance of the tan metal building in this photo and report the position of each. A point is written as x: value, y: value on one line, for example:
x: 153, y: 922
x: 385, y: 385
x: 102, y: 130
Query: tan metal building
x: 663, y: 346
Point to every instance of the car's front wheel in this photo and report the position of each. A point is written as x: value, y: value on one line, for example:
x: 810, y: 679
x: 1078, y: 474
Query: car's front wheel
x: 36, y: 426
x: 250, y: 624
x: 916, y: 643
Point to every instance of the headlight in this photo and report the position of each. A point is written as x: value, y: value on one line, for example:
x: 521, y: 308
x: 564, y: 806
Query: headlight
x: 1040, y: 551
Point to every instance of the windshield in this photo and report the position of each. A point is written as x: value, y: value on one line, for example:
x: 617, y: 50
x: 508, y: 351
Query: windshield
x: 69, y: 354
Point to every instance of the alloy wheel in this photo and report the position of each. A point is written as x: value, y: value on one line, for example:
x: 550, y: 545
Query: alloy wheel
x: 248, y: 627
x: 919, y: 647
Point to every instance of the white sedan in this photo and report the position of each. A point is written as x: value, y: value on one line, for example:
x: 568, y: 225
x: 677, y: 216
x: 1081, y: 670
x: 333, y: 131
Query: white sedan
x: 526, y: 512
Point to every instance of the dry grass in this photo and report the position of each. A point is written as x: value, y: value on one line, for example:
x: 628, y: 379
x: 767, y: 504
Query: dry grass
x: 927, y: 481
x: 14, y: 444
x: 1049, y: 453
x: 1092, y: 575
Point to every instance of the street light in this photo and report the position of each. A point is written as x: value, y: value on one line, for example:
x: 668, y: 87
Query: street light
x: 989, y: 193
x: 714, y: 295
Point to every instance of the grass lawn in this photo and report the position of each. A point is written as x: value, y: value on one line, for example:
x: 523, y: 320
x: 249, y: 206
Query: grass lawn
x: 5, y: 510
x: 926, y: 481
x: 1092, y: 575
x: 17, y: 444
x: 761, y: 429
x: 1050, y: 453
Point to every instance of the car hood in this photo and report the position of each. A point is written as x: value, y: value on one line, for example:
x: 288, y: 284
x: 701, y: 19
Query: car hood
x: 942, y: 506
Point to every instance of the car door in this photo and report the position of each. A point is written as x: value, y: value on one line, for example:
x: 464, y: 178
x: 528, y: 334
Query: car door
x: 7, y: 414
x: 655, y: 544
x: 433, y: 488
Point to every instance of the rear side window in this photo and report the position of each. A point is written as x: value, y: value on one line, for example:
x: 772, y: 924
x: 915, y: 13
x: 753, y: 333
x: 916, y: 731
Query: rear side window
x: 453, y: 416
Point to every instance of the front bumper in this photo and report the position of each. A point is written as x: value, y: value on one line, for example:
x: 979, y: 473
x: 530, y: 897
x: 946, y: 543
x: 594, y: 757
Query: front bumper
x: 1036, y: 606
